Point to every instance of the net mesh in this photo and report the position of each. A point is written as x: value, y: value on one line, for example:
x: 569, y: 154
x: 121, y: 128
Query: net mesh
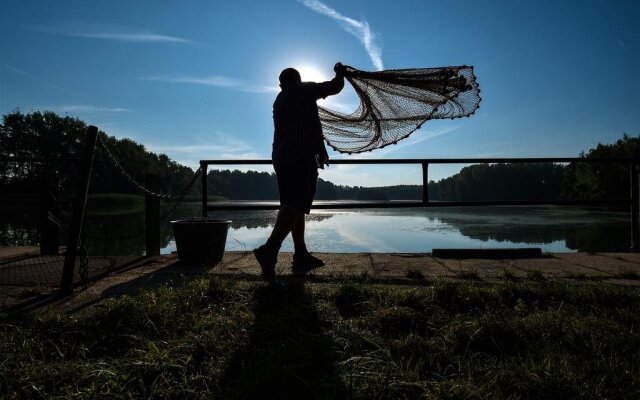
x: 395, y: 103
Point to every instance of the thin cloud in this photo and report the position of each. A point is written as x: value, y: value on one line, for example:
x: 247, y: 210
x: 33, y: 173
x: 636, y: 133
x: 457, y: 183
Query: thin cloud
x: 131, y: 37
x: 33, y: 77
x: 220, y: 143
x: 622, y: 44
x: 193, y: 148
x: 418, y: 137
x: 108, y: 33
x: 84, y: 108
x: 359, y: 29
x: 215, y: 80
x: 343, y: 107
x: 415, y: 138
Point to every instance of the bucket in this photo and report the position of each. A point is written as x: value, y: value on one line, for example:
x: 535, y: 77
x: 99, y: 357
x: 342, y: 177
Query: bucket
x: 200, y: 241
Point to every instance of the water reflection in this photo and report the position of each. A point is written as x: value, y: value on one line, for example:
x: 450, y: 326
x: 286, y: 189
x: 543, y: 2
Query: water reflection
x: 113, y: 231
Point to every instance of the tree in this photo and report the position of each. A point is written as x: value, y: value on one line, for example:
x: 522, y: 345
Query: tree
x: 603, y: 180
x: 48, y: 135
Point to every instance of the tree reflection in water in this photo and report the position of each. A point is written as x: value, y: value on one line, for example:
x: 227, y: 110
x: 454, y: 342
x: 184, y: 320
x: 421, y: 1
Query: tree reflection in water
x: 120, y: 231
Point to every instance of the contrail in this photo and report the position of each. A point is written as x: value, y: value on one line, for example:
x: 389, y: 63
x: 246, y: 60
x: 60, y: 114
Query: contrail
x: 359, y: 29
x: 215, y: 80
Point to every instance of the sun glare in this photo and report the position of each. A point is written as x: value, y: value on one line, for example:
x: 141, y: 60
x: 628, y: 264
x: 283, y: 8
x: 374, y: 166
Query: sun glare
x: 311, y: 74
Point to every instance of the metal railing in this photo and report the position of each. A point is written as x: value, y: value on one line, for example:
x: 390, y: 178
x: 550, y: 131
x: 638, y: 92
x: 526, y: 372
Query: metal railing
x: 632, y: 201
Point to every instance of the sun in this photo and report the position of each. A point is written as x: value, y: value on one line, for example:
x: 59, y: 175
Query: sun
x: 311, y: 74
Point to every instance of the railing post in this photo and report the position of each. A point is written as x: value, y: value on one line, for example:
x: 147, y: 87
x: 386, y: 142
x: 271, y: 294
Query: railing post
x: 425, y: 183
x: 152, y: 217
x: 203, y: 172
x: 635, y: 206
x: 79, y: 205
x: 49, y: 230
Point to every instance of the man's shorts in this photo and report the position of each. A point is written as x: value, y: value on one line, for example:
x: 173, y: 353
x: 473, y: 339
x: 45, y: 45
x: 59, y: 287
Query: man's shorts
x: 297, y: 183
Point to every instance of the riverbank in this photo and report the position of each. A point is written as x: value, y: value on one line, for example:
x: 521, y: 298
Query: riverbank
x: 170, y: 330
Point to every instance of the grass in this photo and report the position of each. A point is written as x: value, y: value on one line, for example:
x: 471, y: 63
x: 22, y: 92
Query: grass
x: 536, y: 275
x: 469, y: 274
x: 509, y: 275
x: 576, y: 275
x: 413, y: 273
x: 225, y: 338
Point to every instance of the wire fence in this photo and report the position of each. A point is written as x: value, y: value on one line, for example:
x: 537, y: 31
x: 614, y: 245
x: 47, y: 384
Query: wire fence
x: 178, y: 197
x: 61, y: 219
x: 141, y: 187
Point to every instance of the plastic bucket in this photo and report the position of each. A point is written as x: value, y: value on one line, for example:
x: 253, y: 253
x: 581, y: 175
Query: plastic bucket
x: 199, y: 241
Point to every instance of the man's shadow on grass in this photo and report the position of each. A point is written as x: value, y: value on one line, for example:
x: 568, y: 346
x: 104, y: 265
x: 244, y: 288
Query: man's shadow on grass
x: 289, y: 354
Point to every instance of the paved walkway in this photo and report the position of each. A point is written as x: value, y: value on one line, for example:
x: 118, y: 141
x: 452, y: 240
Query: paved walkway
x: 618, y: 268
x: 607, y: 268
x: 29, y: 269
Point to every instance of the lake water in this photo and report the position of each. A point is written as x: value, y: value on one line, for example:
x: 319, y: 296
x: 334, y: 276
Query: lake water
x: 554, y: 229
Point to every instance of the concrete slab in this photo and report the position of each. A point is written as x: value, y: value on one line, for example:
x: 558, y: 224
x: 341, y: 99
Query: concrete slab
x: 553, y: 266
x: 630, y: 257
x: 483, y: 268
x: 343, y: 265
x: 602, y: 262
x: 17, y: 251
x: 336, y: 264
x: 398, y: 265
x: 47, y: 270
x: 624, y: 260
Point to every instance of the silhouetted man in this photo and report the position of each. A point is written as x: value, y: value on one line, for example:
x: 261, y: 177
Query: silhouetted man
x: 298, y: 152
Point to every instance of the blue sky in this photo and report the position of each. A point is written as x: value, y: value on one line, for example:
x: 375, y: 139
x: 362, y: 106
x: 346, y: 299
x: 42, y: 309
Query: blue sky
x: 197, y: 79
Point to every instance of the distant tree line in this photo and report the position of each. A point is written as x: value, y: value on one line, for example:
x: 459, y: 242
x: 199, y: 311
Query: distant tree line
x: 46, y: 134
x: 548, y: 181
x: 253, y: 185
x: 542, y: 181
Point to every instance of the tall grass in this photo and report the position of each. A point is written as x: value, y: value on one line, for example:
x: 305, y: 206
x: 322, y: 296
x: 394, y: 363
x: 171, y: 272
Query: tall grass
x: 225, y: 338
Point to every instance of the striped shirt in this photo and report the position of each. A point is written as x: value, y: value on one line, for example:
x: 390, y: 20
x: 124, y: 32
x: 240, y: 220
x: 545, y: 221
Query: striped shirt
x: 297, y: 129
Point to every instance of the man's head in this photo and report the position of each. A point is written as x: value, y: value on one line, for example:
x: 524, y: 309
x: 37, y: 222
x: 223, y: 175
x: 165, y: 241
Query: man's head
x: 289, y: 77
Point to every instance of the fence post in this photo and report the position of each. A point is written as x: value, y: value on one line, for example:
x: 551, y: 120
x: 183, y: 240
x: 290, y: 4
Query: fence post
x: 203, y: 172
x: 152, y: 217
x: 79, y: 205
x: 49, y: 230
x: 425, y: 183
x: 635, y: 206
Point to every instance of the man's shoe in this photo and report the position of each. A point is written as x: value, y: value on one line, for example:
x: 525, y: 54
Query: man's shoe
x: 305, y: 262
x: 267, y: 260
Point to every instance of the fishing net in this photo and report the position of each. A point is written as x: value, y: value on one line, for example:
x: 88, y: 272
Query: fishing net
x: 395, y: 103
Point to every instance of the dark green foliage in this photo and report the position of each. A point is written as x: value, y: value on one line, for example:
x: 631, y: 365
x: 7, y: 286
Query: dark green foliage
x: 603, y: 180
x: 237, y: 185
x: 501, y: 182
x: 46, y: 134
x: 544, y: 181
x: 221, y: 338
x: 253, y: 185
